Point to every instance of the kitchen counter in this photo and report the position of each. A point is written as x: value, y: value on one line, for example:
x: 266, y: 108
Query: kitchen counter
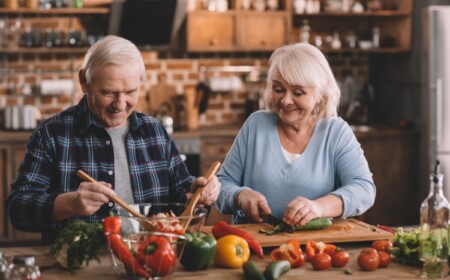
x: 103, y: 270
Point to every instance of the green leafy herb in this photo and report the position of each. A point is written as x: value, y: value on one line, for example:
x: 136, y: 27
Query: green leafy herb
x: 84, y: 242
x: 406, y: 247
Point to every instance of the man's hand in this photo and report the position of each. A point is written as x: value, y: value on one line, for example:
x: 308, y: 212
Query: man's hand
x: 85, y: 201
x: 210, y: 191
x: 253, y: 204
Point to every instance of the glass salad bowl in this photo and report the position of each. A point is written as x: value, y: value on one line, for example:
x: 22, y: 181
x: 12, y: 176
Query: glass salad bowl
x: 150, y: 247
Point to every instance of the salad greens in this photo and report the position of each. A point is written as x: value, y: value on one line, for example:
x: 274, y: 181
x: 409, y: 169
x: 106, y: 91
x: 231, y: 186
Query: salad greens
x: 79, y: 242
x: 406, y: 246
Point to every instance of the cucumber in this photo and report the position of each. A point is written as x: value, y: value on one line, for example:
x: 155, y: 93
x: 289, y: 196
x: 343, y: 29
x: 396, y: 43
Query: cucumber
x: 319, y: 223
x: 275, y: 269
x: 251, y: 272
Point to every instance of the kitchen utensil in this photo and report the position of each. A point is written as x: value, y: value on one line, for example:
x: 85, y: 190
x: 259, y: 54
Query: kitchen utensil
x: 337, y: 233
x: 189, y: 210
x: 274, y: 221
x: 83, y: 175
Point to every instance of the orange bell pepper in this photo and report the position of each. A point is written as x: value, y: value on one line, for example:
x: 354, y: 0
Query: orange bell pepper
x: 231, y: 251
x: 289, y: 251
x: 313, y: 248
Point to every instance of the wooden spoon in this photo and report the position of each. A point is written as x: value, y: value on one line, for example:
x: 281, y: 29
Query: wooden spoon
x: 145, y: 224
x: 189, y: 210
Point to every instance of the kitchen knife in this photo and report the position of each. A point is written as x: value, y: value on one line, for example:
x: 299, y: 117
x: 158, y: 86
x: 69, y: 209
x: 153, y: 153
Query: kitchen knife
x: 278, y: 224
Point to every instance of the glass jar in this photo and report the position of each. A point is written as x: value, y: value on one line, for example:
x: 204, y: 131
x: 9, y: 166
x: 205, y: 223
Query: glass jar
x: 24, y: 268
x: 433, y: 242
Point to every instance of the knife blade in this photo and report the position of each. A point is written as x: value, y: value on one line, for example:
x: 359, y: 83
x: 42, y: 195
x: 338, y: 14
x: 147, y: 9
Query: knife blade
x: 278, y: 224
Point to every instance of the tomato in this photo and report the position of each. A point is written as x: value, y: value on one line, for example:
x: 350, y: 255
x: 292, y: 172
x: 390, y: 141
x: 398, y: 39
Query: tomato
x: 385, y: 259
x: 340, y: 258
x: 382, y: 245
x: 321, y: 261
x: 368, y: 259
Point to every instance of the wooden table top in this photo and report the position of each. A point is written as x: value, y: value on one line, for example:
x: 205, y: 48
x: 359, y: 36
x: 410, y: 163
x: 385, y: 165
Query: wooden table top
x: 103, y: 270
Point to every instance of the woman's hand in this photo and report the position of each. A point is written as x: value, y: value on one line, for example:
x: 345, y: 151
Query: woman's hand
x: 253, y: 204
x: 301, y: 211
x: 209, y: 194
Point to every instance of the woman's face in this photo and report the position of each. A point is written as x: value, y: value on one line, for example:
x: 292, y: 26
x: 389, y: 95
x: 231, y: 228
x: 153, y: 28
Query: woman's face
x: 113, y: 93
x: 294, y: 104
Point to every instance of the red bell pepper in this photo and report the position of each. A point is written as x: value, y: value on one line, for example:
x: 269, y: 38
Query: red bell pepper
x: 111, y: 228
x: 222, y: 228
x: 289, y: 251
x: 157, y: 253
x: 313, y: 248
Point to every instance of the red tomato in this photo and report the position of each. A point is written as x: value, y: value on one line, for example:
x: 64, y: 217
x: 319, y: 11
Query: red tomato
x: 385, y: 259
x: 340, y: 258
x: 368, y: 259
x: 382, y: 245
x: 321, y: 261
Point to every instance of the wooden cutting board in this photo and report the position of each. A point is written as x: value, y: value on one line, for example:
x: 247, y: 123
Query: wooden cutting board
x: 359, y: 231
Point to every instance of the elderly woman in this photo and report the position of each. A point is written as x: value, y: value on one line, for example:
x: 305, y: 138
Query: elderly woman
x: 297, y: 161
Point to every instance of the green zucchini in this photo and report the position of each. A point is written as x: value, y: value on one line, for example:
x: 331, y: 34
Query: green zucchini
x: 275, y: 269
x: 318, y: 223
x: 251, y: 272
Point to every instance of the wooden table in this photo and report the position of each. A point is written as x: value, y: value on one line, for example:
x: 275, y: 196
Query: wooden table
x: 50, y: 270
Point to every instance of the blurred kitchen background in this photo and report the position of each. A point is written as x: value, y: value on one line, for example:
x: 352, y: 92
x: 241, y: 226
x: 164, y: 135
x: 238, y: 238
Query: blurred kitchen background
x: 206, y: 68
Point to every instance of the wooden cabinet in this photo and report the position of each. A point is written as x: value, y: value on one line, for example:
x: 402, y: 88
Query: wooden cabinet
x: 392, y: 159
x: 12, y: 151
x: 393, y: 19
x: 211, y: 31
x: 238, y: 29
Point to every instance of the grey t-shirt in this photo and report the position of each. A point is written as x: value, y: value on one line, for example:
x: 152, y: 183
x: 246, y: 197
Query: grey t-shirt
x: 122, y: 176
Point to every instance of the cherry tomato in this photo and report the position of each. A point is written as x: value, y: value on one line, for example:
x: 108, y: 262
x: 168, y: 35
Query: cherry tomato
x: 382, y: 245
x: 321, y: 261
x: 368, y: 259
x: 340, y: 258
x: 385, y: 259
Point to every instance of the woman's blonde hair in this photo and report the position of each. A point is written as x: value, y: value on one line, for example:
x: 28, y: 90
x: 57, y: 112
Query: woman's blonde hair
x: 305, y: 65
x: 110, y: 50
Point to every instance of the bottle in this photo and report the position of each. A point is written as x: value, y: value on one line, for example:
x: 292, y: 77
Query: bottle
x: 433, y: 241
x: 24, y: 268
x: 304, y: 32
x: 376, y: 37
x: 4, y: 266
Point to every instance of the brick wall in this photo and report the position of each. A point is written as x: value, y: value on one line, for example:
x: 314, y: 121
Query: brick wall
x: 225, y: 107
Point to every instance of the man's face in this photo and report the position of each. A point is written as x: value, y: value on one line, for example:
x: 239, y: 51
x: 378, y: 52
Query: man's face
x: 113, y: 93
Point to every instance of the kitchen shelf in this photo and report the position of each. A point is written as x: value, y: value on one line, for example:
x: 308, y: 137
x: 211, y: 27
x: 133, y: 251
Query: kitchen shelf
x: 55, y: 11
x: 363, y: 14
x: 64, y: 50
x: 371, y: 50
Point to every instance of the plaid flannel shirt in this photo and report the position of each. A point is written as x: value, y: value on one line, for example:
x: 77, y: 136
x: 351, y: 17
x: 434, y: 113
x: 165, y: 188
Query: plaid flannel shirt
x: 74, y: 140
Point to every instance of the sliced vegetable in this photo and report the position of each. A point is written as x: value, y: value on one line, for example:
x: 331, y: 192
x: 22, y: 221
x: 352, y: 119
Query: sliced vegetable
x: 251, y: 272
x: 232, y: 251
x: 312, y: 248
x: 275, y: 269
x: 199, y: 251
x: 157, y: 253
x: 289, y: 251
x: 319, y: 223
x: 222, y: 228
x: 111, y: 228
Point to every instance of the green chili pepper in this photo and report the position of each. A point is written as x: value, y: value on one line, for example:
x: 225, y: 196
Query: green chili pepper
x: 199, y: 251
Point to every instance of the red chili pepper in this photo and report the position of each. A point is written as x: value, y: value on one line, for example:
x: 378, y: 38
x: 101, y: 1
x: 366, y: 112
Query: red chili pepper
x: 157, y: 253
x: 386, y: 228
x: 111, y: 228
x: 312, y: 248
x: 222, y: 228
x: 289, y: 251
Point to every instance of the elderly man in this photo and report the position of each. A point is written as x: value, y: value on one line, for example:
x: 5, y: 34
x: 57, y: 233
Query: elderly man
x: 129, y: 153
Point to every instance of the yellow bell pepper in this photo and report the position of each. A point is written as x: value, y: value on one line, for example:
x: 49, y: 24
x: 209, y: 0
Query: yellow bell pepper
x: 231, y: 251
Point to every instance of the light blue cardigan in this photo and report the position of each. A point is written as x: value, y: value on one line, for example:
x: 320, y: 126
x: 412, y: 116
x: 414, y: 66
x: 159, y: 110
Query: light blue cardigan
x: 332, y: 163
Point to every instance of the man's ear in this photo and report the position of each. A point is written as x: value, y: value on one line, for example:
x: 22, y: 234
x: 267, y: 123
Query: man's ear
x: 83, y: 82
